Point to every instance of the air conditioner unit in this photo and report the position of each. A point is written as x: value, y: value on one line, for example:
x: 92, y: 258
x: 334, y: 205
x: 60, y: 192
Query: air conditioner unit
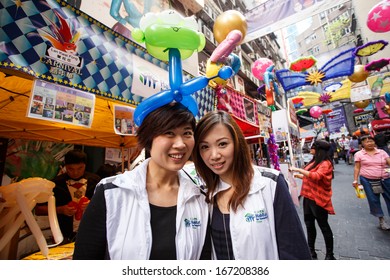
x: 208, y: 34
x: 207, y: 9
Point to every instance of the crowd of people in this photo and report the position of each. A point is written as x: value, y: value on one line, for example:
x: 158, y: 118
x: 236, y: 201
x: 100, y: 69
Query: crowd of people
x: 234, y: 209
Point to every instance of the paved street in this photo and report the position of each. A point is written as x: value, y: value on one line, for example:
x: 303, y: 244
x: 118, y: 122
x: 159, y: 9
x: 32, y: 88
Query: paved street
x: 356, y: 233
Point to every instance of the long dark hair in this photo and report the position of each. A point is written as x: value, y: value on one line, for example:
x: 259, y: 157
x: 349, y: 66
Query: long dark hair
x: 242, y: 168
x: 322, y: 153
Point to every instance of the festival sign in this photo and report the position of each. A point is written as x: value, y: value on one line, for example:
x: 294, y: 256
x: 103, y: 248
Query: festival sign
x: 61, y: 104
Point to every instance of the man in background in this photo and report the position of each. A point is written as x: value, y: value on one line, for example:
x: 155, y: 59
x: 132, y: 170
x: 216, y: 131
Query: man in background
x: 73, y: 191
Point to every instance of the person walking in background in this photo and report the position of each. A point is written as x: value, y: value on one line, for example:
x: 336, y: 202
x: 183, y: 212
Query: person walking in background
x: 335, y: 148
x: 154, y: 211
x: 353, y: 148
x: 317, y: 196
x: 251, y: 210
x: 73, y: 191
x: 370, y: 165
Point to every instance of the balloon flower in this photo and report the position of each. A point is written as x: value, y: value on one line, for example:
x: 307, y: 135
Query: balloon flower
x: 166, y: 30
x: 315, y: 111
x: 169, y: 36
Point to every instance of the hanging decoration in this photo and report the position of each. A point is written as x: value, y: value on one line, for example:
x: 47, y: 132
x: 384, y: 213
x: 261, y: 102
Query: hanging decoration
x: 297, y: 100
x: 362, y: 103
x: 260, y: 66
x: 378, y: 17
x: 301, y: 111
x: 228, y: 21
x: 357, y: 111
x: 273, y: 151
x: 325, y: 97
x: 370, y: 48
x: 338, y: 66
x: 332, y: 92
x: 359, y: 74
x: 377, y: 65
x: 302, y: 64
x: 315, y: 112
x: 326, y: 111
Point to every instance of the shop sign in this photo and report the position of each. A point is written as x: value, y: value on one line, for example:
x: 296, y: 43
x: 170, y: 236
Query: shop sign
x: 362, y: 119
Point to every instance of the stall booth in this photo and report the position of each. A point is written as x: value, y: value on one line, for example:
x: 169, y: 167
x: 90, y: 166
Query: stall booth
x: 106, y: 73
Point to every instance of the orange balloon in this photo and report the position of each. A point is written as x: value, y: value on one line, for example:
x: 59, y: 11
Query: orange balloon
x: 362, y: 103
x: 229, y: 21
x: 359, y: 74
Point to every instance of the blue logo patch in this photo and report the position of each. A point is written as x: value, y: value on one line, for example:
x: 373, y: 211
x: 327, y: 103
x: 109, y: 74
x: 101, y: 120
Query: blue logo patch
x: 192, y: 222
x: 256, y: 216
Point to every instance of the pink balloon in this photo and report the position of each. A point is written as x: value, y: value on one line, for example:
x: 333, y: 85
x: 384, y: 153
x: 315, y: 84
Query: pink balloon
x: 378, y: 19
x: 260, y: 66
x: 315, y: 111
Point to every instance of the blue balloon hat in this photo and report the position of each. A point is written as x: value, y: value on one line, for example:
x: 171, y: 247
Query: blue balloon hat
x: 179, y: 91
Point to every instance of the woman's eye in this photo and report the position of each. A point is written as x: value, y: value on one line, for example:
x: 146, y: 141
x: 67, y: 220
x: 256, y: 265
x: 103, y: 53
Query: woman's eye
x: 203, y: 147
x: 223, y: 144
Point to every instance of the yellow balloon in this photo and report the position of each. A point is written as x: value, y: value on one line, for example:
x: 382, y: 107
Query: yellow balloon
x: 359, y: 74
x: 212, y: 69
x: 362, y: 103
x: 229, y: 21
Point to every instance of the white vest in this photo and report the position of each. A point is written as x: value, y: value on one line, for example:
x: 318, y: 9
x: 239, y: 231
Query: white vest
x: 252, y: 227
x: 129, y: 233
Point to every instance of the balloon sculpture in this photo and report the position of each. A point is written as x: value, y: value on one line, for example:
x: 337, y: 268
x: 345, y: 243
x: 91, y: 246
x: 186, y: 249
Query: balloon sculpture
x: 229, y: 30
x: 169, y: 36
x: 228, y: 21
x: 20, y: 198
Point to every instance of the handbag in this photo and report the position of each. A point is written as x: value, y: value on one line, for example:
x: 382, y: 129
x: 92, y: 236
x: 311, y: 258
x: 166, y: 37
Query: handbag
x: 376, y: 186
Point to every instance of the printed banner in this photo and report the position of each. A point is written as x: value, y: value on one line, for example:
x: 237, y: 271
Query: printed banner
x: 336, y: 123
x: 273, y: 15
x: 124, y: 120
x: 148, y: 78
x: 61, y: 104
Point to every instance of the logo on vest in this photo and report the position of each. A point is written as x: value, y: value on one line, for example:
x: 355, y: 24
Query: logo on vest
x: 257, y: 216
x: 192, y: 222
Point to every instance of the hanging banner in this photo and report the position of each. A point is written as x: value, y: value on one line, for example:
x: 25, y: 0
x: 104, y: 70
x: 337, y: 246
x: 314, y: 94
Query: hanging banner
x: 148, y: 78
x: 336, y: 123
x: 61, y: 104
x: 124, y: 120
x: 273, y: 15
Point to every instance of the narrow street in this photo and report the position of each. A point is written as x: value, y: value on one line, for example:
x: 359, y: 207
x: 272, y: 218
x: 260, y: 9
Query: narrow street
x: 355, y: 230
